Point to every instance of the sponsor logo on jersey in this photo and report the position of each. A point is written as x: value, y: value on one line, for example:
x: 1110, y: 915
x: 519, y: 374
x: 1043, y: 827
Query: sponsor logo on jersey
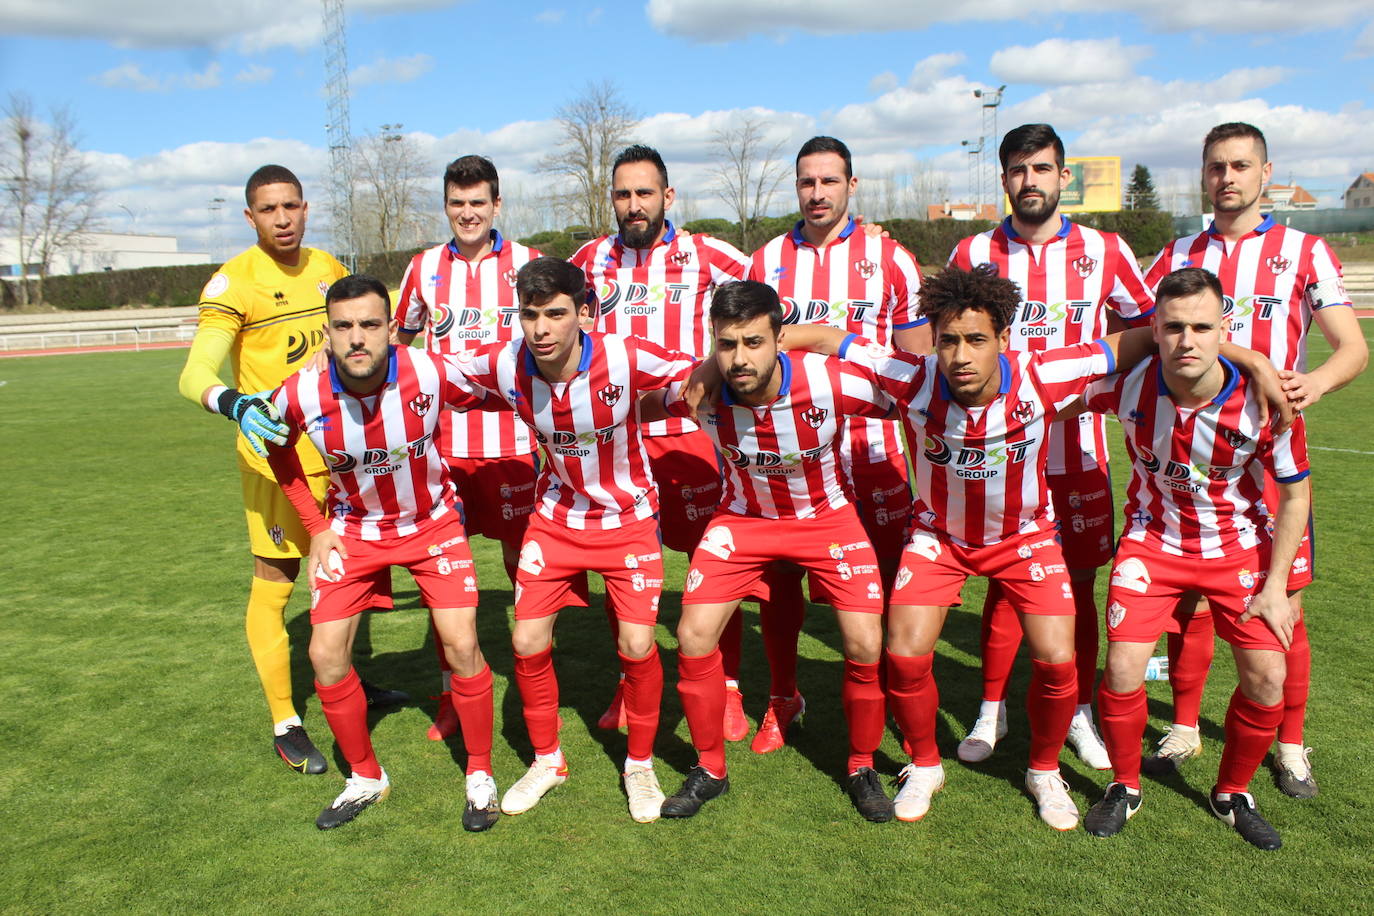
x: 1260, y: 307
x: 378, y: 460
x: 301, y: 343
x: 1278, y: 264
x: 610, y: 394
x: 767, y: 463
x: 718, y: 541
x: 815, y: 416
x: 531, y: 558
x: 636, y: 298
x: 838, y: 313
x: 1085, y: 266
x: 865, y: 268
x: 420, y: 404
x: 1132, y: 575
x: 577, y: 445
x: 972, y: 463
x: 1116, y: 612
x: 279, y: 299
x: 1042, y: 319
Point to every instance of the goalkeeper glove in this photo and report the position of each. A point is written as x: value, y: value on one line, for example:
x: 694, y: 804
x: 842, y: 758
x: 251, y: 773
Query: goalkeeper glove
x: 256, y: 416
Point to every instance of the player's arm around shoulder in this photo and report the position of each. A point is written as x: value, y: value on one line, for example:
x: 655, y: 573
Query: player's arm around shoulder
x: 1349, y: 357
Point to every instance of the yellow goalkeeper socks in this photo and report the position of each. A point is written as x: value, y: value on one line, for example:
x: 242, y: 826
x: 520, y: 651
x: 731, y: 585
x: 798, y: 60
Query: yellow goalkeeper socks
x: 266, y: 626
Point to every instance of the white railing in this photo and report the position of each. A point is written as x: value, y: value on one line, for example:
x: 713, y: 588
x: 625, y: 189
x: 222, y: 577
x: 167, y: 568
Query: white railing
x: 135, y: 337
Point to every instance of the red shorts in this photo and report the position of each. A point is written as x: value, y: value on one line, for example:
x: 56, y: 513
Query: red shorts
x: 688, y: 475
x: 1029, y: 567
x: 497, y: 495
x: 1146, y: 584
x: 729, y: 563
x: 882, y: 494
x: 1083, y: 504
x: 1304, y: 561
x: 437, y: 556
x: 555, y: 560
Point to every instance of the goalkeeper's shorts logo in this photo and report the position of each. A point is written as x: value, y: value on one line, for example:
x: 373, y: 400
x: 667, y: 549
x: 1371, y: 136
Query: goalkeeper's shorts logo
x: 276, y: 534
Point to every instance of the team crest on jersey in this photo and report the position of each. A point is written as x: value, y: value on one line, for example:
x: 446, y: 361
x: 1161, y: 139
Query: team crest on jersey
x: 420, y: 404
x: 1116, y: 612
x: 610, y: 394
x: 680, y: 258
x: 1132, y: 575
x: 276, y: 534
x: 815, y: 416
x: 510, y: 276
x: 1023, y: 411
x: 1235, y: 438
x: 866, y: 268
x: 1278, y: 264
x: 1085, y: 266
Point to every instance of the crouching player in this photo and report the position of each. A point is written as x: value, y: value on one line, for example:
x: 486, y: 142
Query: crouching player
x: 779, y: 421
x: 1199, y: 453
x: 373, y: 413
x: 596, y: 509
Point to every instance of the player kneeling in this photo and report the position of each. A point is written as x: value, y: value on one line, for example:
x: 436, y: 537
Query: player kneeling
x: 374, y: 411
x: 1199, y: 452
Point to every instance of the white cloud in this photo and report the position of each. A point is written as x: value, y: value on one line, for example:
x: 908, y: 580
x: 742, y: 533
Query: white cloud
x: 1060, y: 62
x: 1364, y: 43
x: 725, y: 20
x: 549, y: 17
x: 131, y: 76
x: 930, y: 69
x: 255, y: 73
x: 391, y: 70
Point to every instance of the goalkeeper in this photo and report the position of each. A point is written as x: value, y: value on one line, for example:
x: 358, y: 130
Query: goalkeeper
x: 264, y: 309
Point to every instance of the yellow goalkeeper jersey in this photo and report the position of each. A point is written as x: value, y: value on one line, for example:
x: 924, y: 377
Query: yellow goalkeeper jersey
x: 276, y: 316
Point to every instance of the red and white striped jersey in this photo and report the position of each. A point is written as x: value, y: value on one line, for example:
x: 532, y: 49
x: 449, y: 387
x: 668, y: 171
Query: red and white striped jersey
x: 1274, y: 278
x: 597, y: 472
x: 782, y: 458
x: 1197, y: 476
x: 386, y: 478
x: 1067, y: 284
x: 659, y: 294
x: 461, y: 305
x: 980, y: 471
x: 866, y: 286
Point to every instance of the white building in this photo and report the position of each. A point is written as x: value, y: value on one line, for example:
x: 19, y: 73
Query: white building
x: 103, y: 251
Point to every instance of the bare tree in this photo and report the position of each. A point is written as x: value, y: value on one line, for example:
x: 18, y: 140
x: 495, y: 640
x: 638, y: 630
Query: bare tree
x: 392, y: 210
x: 905, y: 195
x: 594, y: 127
x: 747, y: 173
x: 51, y: 189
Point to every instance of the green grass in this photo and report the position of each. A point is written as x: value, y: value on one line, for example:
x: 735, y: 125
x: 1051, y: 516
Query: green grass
x: 137, y: 772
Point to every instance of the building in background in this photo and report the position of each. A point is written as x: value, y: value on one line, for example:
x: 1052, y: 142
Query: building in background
x: 96, y: 251
x: 949, y: 210
x: 1286, y: 197
x: 1361, y: 192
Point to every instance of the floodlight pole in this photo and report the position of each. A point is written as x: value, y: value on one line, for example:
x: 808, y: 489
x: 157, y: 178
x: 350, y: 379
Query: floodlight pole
x: 340, y: 134
x: 991, y: 98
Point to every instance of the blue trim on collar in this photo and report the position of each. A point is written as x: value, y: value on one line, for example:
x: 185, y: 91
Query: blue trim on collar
x: 1004, y: 384
x: 497, y: 242
x: 1265, y: 225
x: 785, y: 363
x: 844, y: 233
x: 583, y: 364
x: 1228, y: 386
x: 1063, y: 233
x: 667, y: 236
x: 336, y: 384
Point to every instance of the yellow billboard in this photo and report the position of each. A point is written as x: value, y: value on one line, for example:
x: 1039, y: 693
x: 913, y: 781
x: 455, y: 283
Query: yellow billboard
x: 1094, y: 185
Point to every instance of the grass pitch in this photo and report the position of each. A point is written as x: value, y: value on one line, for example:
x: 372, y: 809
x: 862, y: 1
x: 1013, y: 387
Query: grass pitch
x: 138, y: 772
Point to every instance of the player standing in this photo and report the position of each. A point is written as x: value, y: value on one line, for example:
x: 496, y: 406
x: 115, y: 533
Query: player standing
x: 828, y: 271
x: 780, y: 422
x: 579, y: 392
x: 263, y: 310
x: 1200, y: 460
x: 462, y: 295
x: 1276, y: 281
x: 375, y: 413
x: 1069, y: 276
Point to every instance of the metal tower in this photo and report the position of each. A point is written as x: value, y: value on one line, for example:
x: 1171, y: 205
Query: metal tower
x: 975, y: 167
x: 340, y: 134
x: 991, y: 98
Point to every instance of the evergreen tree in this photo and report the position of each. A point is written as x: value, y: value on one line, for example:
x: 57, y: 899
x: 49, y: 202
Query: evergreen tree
x: 1140, y: 193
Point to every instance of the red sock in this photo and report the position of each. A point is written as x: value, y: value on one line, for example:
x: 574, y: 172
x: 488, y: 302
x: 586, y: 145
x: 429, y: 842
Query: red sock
x: 1085, y: 638
x: 915, y: 699
x: 1050, y: 704
x: 780, y: 619
x: 1250, y: 730
x: 1001, y: 638
x: 538, y: 684
x: 701, y: 685
x: 345, y: 708
x: 1296, y: 685
x: 731, y: 644
x: 865, y: 708
x: 643, y: 697
x: 472, y: 701
x: 1122, y: 718
x: 1190, y: 655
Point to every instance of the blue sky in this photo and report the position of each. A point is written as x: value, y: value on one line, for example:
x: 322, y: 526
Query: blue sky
x: 177, y: 104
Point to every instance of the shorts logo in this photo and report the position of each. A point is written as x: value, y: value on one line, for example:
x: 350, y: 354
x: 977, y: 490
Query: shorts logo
x: 680, y: 258
x: 874, y: 592
x: 637, y: 581
x: 836, y: 551
x: 815, y: 416
x: 718, y: 541
x: 1132, y: 575
x: 903, y: 577
x: 1023, y: 411
x: 610, y: 394
x: 420, y: 404
x: 694, y: 578
x: 531, y: 558
x: 865, y: 268
x: 1116, y: 612
x: 1278, y: 264
x: 845, y: 572
x: 1065, y: 591
x: 1246, y: 578
x: 519, y: 590
x: 276, y: 534
x: 1300, y: 565
x: 1085, y: 266
x: 1235, y: 438
x: 510, y: 276
x: 1075, y: 499
x: 1024, y: 552
x: 469, y: 582
x: 925, y: 545
x: 1037, y: 572
x: 1077, y: 523
x: 631, y: 561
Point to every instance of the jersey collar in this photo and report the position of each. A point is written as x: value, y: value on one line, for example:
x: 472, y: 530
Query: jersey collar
x: 668, y: 236
x: 784, y: 365
x: 1003, y: 384
x: 1228, y: 385
x: 583, y: 364
x: 1265, y: 225
x: 845, y: 233
x: 336, y: 384
x: 496, y: 244
x: 1063, y: 233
